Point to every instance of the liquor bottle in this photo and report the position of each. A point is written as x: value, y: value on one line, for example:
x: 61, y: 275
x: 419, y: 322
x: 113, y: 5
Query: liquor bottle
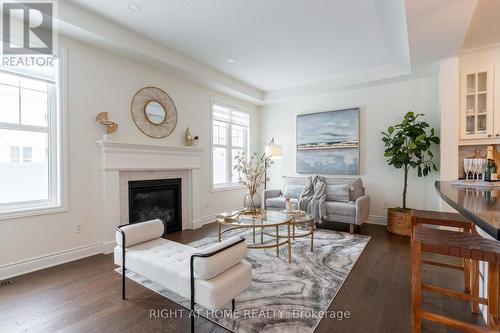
x: 491, y: 168
x: 487, y: 172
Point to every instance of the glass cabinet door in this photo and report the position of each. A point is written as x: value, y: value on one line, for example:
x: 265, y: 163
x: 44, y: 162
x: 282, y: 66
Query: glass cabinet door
x: 477, y: 105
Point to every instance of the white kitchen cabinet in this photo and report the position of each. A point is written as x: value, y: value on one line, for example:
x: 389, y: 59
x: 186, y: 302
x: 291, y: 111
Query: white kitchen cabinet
x: 477, y: 116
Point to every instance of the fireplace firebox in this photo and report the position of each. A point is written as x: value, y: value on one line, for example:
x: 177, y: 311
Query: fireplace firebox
x: 156, y: 199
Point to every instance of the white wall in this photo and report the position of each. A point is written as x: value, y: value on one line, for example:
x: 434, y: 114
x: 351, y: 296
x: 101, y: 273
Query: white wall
x: 449, y: 110
x: 381, y: 105
x: 100, y: 81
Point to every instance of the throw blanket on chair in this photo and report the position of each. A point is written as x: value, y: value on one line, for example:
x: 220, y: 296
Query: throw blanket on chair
x: 312, y: 199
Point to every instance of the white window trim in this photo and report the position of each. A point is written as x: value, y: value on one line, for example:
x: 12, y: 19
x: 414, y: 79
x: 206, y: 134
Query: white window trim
x: 227, y: 186
x: 34, y: 208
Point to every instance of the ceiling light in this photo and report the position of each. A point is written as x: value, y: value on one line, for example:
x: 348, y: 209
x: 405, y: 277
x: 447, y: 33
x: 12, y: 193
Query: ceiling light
x: 134, y: 7
x: 231, y: 60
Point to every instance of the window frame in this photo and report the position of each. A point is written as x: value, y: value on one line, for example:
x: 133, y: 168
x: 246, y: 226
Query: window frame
x: 57, y: 149
x: 229, y: 185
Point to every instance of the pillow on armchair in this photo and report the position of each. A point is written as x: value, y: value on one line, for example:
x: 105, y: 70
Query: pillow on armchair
x: 339, y: 193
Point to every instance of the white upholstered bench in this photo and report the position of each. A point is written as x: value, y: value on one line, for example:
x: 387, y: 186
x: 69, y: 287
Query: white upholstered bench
x: 211, y: 277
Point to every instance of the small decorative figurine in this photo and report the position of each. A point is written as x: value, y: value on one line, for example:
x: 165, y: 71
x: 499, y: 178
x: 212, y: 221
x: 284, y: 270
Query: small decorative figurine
x: 190, y: 139
x: 102, y: 118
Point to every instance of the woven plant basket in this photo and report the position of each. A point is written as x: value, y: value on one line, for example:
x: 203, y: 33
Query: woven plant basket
x: 398, y: 223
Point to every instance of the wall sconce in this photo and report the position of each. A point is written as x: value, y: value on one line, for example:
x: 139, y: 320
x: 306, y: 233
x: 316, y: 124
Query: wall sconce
x: 190, y: 139
x: 102, y: 118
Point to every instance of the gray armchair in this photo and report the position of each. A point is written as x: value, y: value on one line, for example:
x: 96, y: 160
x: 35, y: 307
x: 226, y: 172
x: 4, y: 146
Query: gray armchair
x: 353, y: 210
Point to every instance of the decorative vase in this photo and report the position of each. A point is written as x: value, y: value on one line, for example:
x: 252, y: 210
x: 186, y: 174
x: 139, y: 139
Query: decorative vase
x: 398, y: 222
x: 251, y: 202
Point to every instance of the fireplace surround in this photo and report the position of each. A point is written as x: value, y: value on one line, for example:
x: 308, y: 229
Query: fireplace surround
x: 123, y: 162
x: 156, y: 199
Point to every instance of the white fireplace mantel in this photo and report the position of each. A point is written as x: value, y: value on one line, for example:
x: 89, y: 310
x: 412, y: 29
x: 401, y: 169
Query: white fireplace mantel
x: 131, y: 156
x: 118, y: 157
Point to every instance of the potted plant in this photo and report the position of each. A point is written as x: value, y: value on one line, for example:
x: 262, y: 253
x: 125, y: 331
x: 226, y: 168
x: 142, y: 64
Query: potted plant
x: 408, y: 145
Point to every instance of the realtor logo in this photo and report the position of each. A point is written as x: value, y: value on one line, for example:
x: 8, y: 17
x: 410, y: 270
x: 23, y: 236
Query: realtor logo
x: 27, y: 28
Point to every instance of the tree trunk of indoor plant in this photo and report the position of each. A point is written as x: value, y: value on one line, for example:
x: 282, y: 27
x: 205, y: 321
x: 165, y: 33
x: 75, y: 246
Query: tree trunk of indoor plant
x: 405, y: 187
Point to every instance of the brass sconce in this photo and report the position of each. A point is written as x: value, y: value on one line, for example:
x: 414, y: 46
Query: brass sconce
x: 102, y: 118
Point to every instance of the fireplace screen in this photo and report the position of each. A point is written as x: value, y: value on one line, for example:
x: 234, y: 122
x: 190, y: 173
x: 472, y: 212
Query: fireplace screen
x: 156, y: 199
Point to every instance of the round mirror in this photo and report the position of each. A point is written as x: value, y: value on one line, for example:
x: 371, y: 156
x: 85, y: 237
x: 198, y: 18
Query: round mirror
x: 155, y: 112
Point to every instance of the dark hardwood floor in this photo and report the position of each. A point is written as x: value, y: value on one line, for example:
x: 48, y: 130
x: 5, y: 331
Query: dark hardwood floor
x: 85, y: 295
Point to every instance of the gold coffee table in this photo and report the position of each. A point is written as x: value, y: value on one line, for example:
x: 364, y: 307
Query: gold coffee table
x: 268, y: 220
x: 299, y: 219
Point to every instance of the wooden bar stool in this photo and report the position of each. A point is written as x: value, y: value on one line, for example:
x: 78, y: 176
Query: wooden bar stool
x: 454, y: 220
x: 460, y: 245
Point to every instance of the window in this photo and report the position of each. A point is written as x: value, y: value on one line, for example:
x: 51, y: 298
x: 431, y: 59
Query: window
x: 27, y: 154
x: 14, y: 154
x: 29, y: 124
x: 230, y: 135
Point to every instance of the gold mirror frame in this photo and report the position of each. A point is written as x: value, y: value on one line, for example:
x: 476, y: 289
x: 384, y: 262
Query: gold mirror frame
x: 138, y: 109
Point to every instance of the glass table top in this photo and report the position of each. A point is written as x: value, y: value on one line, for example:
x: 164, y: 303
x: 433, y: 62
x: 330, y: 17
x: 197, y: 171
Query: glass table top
x: 268, y: 218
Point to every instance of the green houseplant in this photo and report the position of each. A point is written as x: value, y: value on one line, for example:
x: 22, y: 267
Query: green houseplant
x: 408, y: 146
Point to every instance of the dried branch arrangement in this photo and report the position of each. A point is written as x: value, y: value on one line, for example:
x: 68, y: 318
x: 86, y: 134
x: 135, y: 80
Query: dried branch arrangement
x: 252, y: 171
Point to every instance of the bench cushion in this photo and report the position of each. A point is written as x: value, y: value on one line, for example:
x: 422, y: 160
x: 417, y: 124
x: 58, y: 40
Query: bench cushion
x: 207, y: 268
x: 140, y: 232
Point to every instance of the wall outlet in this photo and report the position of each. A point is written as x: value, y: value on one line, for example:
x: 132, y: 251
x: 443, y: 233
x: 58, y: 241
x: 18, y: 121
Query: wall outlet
x: 78, y: 227
x: 207, y: 205
x: 386, y: 204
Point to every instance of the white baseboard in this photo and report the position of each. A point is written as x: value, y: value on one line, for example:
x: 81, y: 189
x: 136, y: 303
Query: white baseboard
x: 108, y: 247
x: 198, y: 223
x: 54, y: 259
x: 374, y: 219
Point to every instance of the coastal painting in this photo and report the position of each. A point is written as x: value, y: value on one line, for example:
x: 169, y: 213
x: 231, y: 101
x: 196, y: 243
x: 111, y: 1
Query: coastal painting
x: 328, y: 142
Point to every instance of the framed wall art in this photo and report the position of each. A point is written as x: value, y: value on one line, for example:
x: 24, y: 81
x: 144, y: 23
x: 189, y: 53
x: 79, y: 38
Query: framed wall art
x: 328, y: 142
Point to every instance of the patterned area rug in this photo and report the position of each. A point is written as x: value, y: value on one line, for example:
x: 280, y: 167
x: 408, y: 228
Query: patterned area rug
x: 283, y: 297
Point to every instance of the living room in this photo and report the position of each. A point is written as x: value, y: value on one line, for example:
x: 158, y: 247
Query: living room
x: 141, y: 142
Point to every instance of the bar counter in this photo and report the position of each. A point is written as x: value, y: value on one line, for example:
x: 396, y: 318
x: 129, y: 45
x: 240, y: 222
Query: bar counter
x: 481, y: 205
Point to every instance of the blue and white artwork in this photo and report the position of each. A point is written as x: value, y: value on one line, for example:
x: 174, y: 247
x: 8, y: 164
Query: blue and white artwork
x: 328, y: 142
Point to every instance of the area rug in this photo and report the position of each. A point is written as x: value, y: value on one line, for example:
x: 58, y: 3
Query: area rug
x: 284, y: 297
